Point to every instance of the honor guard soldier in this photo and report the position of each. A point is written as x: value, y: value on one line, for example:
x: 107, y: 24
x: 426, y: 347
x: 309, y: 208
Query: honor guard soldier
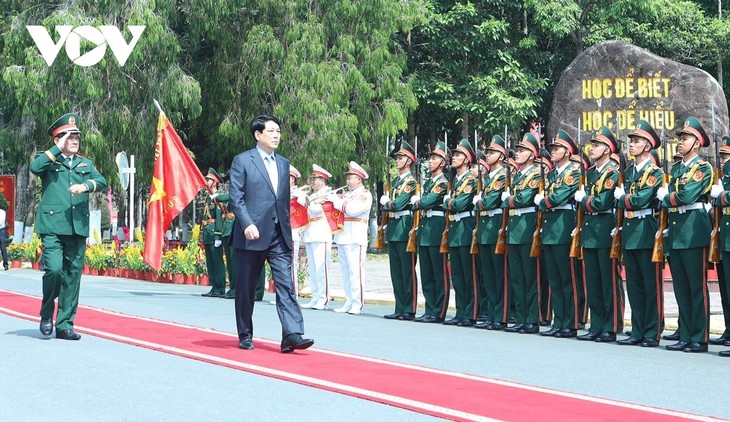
x: 296, y: 237
x: 352, y: 241
x: 522, y: 268
x: 213, y: 236
x: 637, y: 197
x: 317, y: 239
x: 545, y: 307
x: 229, y: 218
x: 397, y: 203
x: 493, y: 264
x: 603, y: 282
x: 434, y: 271
x: 577, y: 263
x: 558, y: 224
x: 458, y: 206
x: 689, y: 236
x: 62, y: 221
x: 722, y: 204
x: 479, y: 172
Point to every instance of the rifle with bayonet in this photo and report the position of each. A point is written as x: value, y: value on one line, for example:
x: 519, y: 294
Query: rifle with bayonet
x: 501, y: 247
x: 537, y: 238
x: 444, y: 247
x: 657, y: 252
x: 714, y: 255
x: 474, y: 248
x: 380, y: 237
x: 575, y: 249
x: 411, y: 245
x: 616, y: 240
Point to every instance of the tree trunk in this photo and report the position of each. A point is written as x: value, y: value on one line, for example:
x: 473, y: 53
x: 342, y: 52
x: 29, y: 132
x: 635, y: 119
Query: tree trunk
x: 465, y: 126
x: 25, y: 194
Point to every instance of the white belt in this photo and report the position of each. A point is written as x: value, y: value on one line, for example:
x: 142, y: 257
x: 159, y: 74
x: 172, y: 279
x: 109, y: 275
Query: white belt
x: 492, y: 213
x: 434, y: 213
x: 684, y: 208
x: 638, y: 213
x: 459, y: 216
x: 561, y: 207
x: 399, y: 214
x: 600, y: 212
x: 520, y: 211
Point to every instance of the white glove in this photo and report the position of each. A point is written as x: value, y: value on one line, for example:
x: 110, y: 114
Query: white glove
x: 217, y: 243
x: 574, y: 232
x: 538, y: 198
x: 213, y: 196
x: 579, y: 195
x: 337, y: 202
x: 615, y: 230
x: 302, y: 200
x: 665, y: 233
x: 505, y: 195
x: 661, y: 193
x: 477, y: 199
x: 715, y: 191
x: 62, y: 142
x: 619, y: 192
x: 384, y: 199
x: 708, y: 206
x: 446, y: 198
x: 414, y: 199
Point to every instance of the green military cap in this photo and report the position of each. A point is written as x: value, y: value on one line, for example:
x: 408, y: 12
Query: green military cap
x: 564, y: 140
x: 530, y: 143
x: 511, y: 158
x: 482, y: 159
x: 693, y: 127
x: 213, y: 175
x: 407, y: 150
x: 64, y: 124
x: 725, y: 145
x: 497, y: 145
x: 440, y: 150
x: 465, y: 148
x: 606, y: 137
x: 645, y: 131
x: 581, y: 158
x: 544, y: 158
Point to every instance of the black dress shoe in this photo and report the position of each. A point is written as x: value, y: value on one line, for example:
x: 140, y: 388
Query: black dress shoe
x: 672, y: 337
x: 452, y: 321
x: 606, y: 337
x: 213, y: 294
x: 229, y: 295
x: 566, y: 333
x: 724, y: 353
x: 430, y: 319
x: 630, y: 341
x: 483, y: 325
x: 550, y: 333
x: 530, y: 329
x: 246, y: 343
x: 515, y: 328
x: 466, y: 323
x: 406, y: 317
x: 677, y: 347
x: 482, y: 317
x: 46, y: 326
x: 695, y: 347
x: 589, y: 336
x: 295, y: 341
x: 720, y: 341
x: 497, y: 326
x: 420, y: 318
x: 649, y: 342
x: 394, y: 315
x: 67, y: 335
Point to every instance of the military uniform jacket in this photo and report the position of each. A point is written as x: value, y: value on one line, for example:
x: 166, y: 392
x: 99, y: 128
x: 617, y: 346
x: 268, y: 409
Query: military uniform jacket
x: 356, y: 207
x: 59, y: 212
x: 723, y: 201
x: 489, y: 226
x: 559, y: 214
x: 462, y: 193
x: 521, y: 227
x: 640, y: 184
x: 212, y: 220
x: 688, y: 185
x: 400, y: 220
x: 598, y: 220
x: 318, y: 229
x: 223, y: 201
x: 431, y: 228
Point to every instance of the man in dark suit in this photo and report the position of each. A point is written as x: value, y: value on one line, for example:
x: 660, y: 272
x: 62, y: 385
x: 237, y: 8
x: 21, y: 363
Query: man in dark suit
x: 260, y: 197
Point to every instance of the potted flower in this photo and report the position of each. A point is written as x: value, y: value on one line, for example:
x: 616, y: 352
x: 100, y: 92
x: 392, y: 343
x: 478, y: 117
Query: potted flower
x: 34, y: 251
x: 16, y: 253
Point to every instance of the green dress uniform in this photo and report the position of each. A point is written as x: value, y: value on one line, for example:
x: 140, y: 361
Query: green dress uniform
x: 213, y: 232
x: 689, y: 235
x: 434, y: 274
x: 722, y: 204
x: 62, y: 222
x: 228, y: 219
x: 402, y: 262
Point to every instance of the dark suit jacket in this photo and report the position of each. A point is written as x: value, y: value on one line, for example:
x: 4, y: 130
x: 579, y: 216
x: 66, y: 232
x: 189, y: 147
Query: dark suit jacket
x: 253, y: 200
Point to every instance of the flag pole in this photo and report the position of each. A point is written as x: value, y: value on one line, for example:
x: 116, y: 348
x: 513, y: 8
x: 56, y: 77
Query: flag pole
x: 157, y: 105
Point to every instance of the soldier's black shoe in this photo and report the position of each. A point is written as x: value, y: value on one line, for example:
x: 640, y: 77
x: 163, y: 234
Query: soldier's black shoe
x: 406, y: 317
x: 649, y: 342
x: 606, y: 337
x: 497, y: 326
x: 212, y: 293
x: 420, y: 318
x: 483, y: 325
x: 724, y: 353
x: 466, y: 323
x: 482, y: 317
x: 672, y: 337
x: 678, y: 346
x: 430, y: 319
x: 452, y: 321
x: 67, y: 335
x: 630, y: 341
x: 394, y: 315
x: 566, y: 333
x: 696, y: 347
x: 530, y: 329
x: 230, y: 295
x: 515, y: 328
x: 550, y: 333
x: 46, y: 326
x: 589, y: 336
x: 720, y: 341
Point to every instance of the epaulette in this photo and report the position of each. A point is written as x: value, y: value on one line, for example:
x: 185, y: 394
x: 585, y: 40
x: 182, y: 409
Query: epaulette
x: 576, y: 166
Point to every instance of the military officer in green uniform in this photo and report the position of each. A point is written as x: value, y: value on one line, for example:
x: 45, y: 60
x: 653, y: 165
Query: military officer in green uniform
x: 62, y: 222
x: 637, y: 197
x: 544, y: 303
x: 488, y: 205
x: 458, y: 205
x: 722, y: 204
x: 558, y: 224
x: 434, y: 273
x: 223, y: 201
x: 397, y: 203
x: 522, y: 268
x: 577, y: 263
x: 212, y: 223
x: 689, y: 235
x: 596, y: 200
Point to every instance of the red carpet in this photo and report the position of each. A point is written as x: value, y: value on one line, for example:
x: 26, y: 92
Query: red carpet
x: 431, y: 391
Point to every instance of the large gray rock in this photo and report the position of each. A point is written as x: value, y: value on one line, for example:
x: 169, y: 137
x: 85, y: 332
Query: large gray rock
x: 615, y: 83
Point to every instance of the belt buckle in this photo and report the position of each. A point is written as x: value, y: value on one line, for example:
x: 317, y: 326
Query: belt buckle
x: 512, y: 213
x: 629, y: 214
x: 451, y: 217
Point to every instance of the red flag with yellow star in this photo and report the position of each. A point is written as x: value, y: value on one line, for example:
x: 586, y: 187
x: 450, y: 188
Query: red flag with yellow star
x: 175, y: 182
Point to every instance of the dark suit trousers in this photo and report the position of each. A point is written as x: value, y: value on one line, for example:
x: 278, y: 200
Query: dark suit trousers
x: 2, y: 247
x: 249, y: 265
